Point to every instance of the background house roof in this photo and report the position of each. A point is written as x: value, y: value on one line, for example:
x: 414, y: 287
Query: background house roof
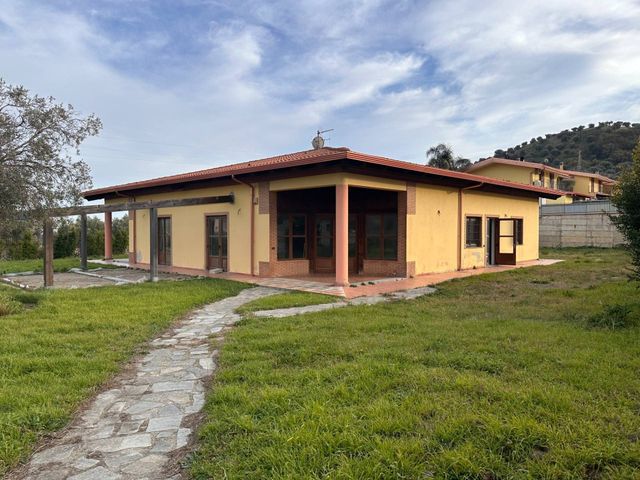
x: 539, y: 166
x: 308, y: 157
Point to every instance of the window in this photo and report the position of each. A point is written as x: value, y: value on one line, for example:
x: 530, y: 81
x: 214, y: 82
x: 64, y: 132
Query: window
x: 474, y: 232
x: 292, y: 236
x: 552, y: 180
x: 382, y: 236
x: 519, y: 222
x: 592, y: 187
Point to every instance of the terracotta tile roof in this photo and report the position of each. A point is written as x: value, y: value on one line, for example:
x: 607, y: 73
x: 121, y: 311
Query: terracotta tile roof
x: 308, y: 157
x: 539, y: 166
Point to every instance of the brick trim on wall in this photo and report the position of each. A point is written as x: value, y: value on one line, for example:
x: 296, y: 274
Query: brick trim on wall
x: 411, y: 198
x: 263, y: 198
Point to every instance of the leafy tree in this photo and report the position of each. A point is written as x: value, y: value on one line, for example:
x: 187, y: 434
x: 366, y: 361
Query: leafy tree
x: 461, y: 164
x: 441, y: 156
x: 626, y: 198
x: 66, y: 238
x: 120, y: 229
x: 37, y: 139
x: 20, y: 244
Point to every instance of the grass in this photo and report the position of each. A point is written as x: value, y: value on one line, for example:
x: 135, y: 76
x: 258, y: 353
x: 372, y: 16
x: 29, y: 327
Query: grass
x: 35, y: 265
x: 498, y: 376
x: 286, y: 300
x: 57, y: 353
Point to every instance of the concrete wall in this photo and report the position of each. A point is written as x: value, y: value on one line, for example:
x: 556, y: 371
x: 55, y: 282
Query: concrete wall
x: 581, y: 224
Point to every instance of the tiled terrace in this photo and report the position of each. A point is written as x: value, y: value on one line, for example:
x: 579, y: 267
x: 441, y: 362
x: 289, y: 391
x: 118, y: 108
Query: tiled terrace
x: 361, y: 285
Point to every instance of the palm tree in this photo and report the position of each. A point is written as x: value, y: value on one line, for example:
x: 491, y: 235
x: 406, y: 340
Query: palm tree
x: 441, y: 156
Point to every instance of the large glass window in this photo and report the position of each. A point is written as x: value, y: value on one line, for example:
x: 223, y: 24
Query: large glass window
x: 519, y: 231
x: 292, y: 236
x: 474, y: 232
x: 324, y: 237
x: 382, y: 236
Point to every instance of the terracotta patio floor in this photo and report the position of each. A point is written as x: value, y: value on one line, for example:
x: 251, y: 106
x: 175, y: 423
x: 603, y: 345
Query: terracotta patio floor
x: 360, y: 285
x: 374, y: 285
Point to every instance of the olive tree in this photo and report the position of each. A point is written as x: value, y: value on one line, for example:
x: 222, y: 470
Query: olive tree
x: 40, y: 167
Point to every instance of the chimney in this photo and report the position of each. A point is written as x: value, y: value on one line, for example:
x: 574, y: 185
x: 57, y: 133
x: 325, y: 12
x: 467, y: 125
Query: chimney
x: 561, y: 165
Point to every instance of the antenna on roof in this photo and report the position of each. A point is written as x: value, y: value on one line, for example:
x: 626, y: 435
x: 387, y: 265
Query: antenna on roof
x: 318, y: 141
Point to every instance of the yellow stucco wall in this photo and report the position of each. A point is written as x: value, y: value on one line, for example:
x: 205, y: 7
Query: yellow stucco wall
x: 432, y: 232
x: 491, y: 205
x: 506, y: 172
x: 188, y: 229
x: 583, y: 185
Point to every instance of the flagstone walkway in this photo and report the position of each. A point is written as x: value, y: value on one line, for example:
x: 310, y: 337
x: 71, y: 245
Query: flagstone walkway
x: 137, y: 428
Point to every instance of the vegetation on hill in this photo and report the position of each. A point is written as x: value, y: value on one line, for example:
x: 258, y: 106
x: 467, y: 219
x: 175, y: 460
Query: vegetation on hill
x: 604, y: 148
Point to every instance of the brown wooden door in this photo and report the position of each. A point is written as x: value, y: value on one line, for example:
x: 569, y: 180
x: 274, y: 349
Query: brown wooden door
x: 356, y: 243
x: 217, y: 242
x: 505, y: 241
x: 324, y: 244
x: 164, y: 240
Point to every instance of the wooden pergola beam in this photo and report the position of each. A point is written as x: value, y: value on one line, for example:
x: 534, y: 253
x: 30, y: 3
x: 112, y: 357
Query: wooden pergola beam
x: 83, y: 211
x: 47, y: 239
x: 146, y: 205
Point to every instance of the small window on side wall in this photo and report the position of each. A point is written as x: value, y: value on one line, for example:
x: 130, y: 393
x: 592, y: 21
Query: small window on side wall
x: 519, y: 231
x: 474, y: 232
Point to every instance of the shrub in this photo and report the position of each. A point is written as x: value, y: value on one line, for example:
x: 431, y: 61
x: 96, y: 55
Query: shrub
x: 8, y: 305
x: 613, y: 317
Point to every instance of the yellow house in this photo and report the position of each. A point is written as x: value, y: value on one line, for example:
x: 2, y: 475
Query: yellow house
x: 574, y: 185
x: 332, y: 211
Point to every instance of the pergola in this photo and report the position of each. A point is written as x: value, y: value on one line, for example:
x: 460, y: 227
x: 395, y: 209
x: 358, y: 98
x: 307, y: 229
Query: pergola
x: 107, y: 210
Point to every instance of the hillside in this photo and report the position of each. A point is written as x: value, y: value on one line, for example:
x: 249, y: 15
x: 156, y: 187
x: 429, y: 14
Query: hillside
x: 605, y: 148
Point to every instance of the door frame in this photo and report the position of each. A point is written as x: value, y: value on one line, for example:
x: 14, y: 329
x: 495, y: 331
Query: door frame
x: 206, y: 239
x: 328, y: 263
x: 170, y: 262
x: 490, y: 240
x: 506, y: 258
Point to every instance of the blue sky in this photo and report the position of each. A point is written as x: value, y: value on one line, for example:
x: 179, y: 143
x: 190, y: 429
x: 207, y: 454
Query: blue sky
x: 183, y: 85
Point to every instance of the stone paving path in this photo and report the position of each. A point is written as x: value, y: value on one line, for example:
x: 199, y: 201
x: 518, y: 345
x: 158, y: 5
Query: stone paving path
x: 135, y: 429
x: 404, y: 295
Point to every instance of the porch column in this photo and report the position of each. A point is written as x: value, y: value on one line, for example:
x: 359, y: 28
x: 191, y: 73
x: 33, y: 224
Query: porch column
x: 83, y: 242
x: 342, y: 234
x: 153, y: 244
x: 108, y: 248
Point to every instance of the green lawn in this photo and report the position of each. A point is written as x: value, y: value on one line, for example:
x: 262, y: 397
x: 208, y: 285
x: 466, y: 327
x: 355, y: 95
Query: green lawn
x: 58, y: 352
x: 496, y: 376
x: 59, y: 265
x: 286, y: 300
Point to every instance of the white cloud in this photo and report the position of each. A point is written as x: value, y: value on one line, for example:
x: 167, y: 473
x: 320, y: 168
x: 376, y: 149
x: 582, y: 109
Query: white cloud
x: 391, y: 77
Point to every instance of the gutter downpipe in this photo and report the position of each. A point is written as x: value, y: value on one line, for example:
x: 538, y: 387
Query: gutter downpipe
x: 252, y: 214
x: 460, y: 221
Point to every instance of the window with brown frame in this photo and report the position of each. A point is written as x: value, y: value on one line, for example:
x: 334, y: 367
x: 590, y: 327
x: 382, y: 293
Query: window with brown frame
x: 519, y: 224
x: 292, y: 236
x: 381, y: 231
x: 473, y: 232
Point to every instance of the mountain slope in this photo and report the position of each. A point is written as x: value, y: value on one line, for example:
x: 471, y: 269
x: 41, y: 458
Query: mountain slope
x: 604, y: 148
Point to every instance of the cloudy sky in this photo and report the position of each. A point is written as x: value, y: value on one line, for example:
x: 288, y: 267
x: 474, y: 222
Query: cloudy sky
x: 183, y: 85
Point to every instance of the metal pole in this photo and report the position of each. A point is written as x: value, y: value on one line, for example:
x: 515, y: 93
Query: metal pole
x: 153, y: 244
x: 83, y: 242
x: 47, y: 240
